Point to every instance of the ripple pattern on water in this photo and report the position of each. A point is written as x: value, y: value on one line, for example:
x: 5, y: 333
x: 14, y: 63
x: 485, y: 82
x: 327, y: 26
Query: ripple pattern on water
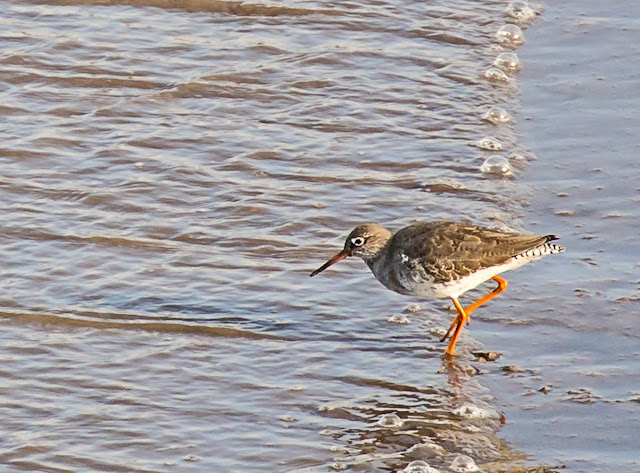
x: 172, y: 170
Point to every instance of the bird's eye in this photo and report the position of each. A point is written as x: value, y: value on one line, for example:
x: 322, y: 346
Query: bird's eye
x: 357, y: 241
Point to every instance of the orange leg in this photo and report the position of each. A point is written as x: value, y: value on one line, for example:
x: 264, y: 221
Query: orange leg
x: 502, y: 285
x: 460, y: 322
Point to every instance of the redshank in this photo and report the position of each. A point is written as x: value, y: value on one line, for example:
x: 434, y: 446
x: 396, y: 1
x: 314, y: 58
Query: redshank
x: 442, y: 259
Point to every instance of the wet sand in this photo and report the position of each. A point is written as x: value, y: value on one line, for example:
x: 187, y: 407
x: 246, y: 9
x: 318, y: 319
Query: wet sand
x: 580, y: 114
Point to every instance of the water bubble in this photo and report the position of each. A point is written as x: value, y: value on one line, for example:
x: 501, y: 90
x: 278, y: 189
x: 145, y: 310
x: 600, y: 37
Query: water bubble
x: 471, y: 411
x: 508, y: 62
x: 427, y: 449
x: 390, y: 420
x: 494, y: 74
x: 497, y: 116
x: 419, y: 466
x: 519, y: 158
x: 496, y: 165
x: 192, y: 458
x: 488, y: 143
x: 463, y: 464
x: 399, y: 319
x: 413, y: 308
x: 510, y: 35
x: 519, y: 11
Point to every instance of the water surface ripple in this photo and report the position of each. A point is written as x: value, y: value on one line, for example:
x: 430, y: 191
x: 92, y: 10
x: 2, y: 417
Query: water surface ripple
x: 172, y: 172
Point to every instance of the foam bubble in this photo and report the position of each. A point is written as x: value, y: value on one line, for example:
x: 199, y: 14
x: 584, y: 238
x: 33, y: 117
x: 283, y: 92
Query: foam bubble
x: 497, y: 116
x: 399, y: 319
x: 428, y: 448
x: 494, y: 74
x: 496, y: 165
x: 519, y: 158
x: 508, y: 62
x: 510, y: 35
x: 471, y: 411
x: 463, y: 464
x: 519, y: 11
x: 419, y: 466
x: 390, y: 420
x: 488, y: 143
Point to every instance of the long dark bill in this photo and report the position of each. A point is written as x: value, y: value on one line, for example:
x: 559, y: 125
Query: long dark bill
x: 338, y: 257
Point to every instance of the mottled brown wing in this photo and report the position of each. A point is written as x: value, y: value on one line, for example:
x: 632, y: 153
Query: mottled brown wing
x: 448, y: 250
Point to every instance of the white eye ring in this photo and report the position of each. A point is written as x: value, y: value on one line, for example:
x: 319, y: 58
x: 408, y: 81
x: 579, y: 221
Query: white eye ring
x: 357, y: 241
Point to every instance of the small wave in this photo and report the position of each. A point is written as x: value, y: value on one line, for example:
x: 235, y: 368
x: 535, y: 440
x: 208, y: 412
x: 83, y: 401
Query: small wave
x: 233, y: 8
x: 72, y: 320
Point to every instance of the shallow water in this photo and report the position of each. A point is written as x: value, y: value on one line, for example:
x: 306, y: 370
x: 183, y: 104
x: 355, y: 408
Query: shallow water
x: 173, y: 171
x: 579, y: 112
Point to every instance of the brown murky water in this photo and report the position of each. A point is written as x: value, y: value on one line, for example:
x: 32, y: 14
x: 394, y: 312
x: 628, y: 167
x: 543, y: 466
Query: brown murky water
x: 172, y: 172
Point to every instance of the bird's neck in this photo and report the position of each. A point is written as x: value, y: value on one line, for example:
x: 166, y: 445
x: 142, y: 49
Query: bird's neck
x: 371, y: 262
x: 373, y: 259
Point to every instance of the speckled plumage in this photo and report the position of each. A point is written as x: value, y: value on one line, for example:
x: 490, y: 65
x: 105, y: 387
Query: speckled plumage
x: 440, y: 254
x: 442, y: 259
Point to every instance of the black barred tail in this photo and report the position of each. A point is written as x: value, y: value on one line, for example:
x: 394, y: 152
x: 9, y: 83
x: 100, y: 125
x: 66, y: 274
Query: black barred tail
x: 551, y: 248
x: 541, y: 250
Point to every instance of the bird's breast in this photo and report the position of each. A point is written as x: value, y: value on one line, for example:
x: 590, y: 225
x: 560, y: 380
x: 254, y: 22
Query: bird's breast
x: 404, y: 275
